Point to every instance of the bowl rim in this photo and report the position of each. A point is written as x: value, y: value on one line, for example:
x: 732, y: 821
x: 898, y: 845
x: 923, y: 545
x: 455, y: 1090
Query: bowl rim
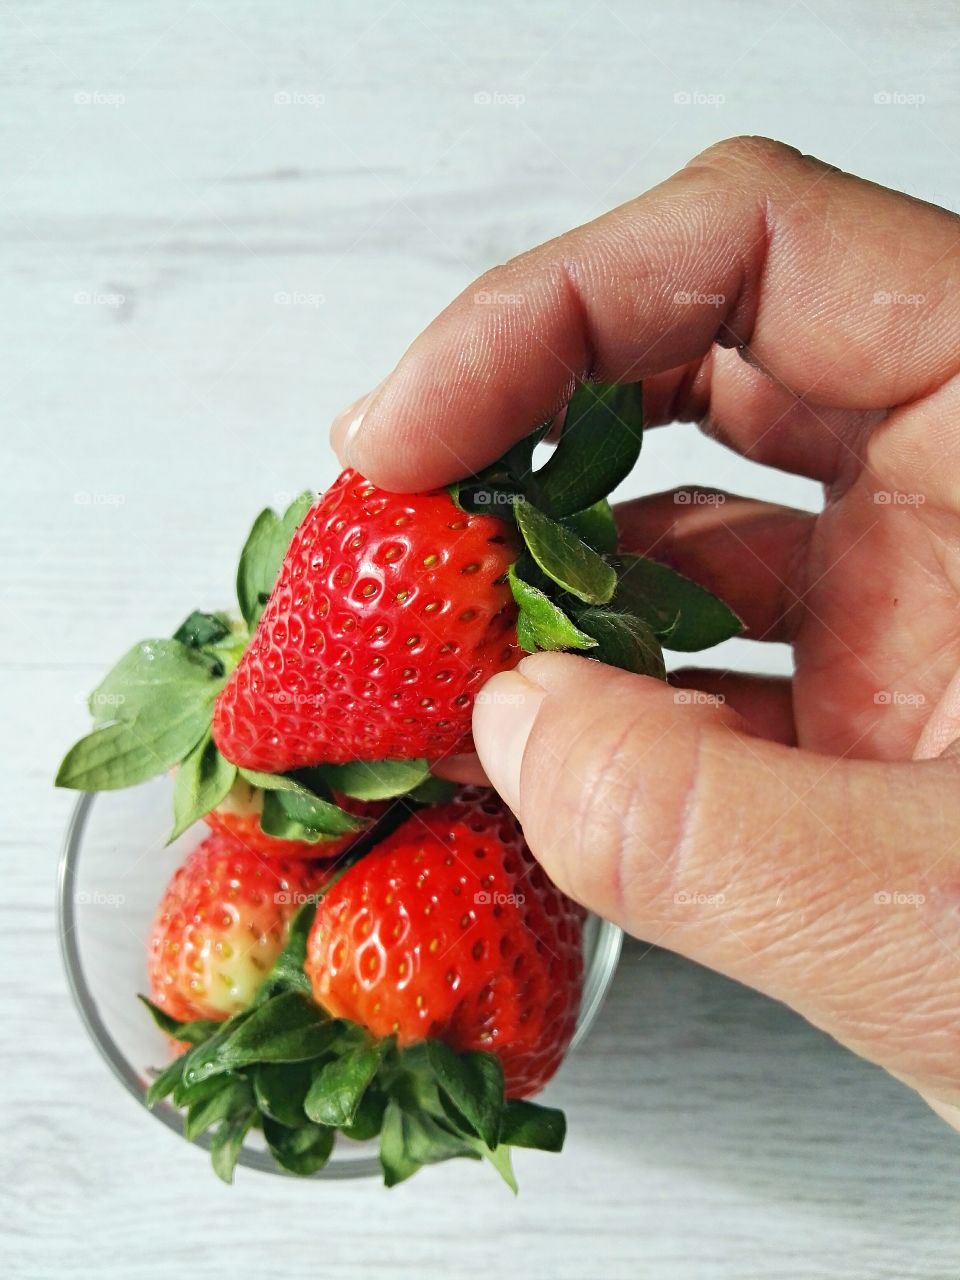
x: 597, y: 979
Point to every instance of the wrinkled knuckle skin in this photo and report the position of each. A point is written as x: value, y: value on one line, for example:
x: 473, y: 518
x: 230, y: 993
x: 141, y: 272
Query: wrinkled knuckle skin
x: 607, y: 813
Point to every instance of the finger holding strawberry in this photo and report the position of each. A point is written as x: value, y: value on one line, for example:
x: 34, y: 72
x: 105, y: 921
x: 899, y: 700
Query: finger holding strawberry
x: 390, y: 611
x: 368, y: 623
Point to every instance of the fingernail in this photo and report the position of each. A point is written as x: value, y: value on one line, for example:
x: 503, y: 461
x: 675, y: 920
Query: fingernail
x: 345, y: 427
x: 504, y: 713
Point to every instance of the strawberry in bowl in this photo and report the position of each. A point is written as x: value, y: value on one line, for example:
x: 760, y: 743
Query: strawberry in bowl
x: 432, y: 989
x: 220, y: 926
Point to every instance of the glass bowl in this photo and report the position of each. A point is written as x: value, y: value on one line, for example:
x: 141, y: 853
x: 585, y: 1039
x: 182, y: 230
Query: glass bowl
x: 113, y: 870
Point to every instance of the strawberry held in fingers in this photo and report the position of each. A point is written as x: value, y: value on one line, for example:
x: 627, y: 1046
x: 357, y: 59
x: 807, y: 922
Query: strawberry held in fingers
x: 368, y: 623
x: 390, y: 611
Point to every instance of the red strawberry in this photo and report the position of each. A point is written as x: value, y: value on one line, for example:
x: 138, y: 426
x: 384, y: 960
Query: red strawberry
x: 450, y: 930
x: 389, y: 613
x: 239, y: 816
x: 220, y: 925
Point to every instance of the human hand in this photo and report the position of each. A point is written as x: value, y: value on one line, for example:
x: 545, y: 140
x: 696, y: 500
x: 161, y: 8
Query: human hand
x: 801, y: 836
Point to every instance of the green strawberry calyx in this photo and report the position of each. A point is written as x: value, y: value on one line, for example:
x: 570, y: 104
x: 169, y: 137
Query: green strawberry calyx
x: 573, y: 589
x: 286, y: 1067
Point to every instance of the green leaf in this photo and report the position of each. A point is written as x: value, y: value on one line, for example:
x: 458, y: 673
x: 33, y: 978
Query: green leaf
x: 201, y: 629
x: 159, y: 697
x: 277, y: 820
x: 397, y: 1165
x: 254, y: 580
x: 499, y: 1158
x: 433, y: 791
x: 149, y: 676
x: 195, y: 1032
x: 233, y: 1096
x: 338, y: 1087
x: 288, y: 1027
x: 320, y: 816
x: 287, y: 973
x: 165, y: 1082
x: 303, y: 1150
x: 596, y: 526
x: 280, y: 1089
x: 409, y: 1140
x: 624, y: 641
x: 685, y: 615
x: 600, y: 443
x: 227, y: 1141
x: 527, y: 1124
x: 375, y: 780
x: 543, y: 624
x: 115, y: 757
x: 564, y: 558
x: 426, y: 1141
x: 368, y: 1119
x: 474, y: 1084
x: 263, y: 554
x: 289, y: 805
x: 188, y: 1095
x: 518, y: 460
x: 202, y: 781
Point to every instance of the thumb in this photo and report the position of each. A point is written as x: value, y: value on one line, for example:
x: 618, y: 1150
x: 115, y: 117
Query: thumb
x: 816, y: 880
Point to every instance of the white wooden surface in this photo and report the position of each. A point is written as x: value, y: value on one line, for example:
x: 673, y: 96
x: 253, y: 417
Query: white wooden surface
x: 157, y: 201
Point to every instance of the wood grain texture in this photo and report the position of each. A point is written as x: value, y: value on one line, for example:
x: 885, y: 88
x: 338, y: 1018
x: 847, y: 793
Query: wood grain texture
x: 159, y: 201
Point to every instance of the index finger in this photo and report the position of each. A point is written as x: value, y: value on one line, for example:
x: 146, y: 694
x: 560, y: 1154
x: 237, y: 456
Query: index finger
x: 752, y: 245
